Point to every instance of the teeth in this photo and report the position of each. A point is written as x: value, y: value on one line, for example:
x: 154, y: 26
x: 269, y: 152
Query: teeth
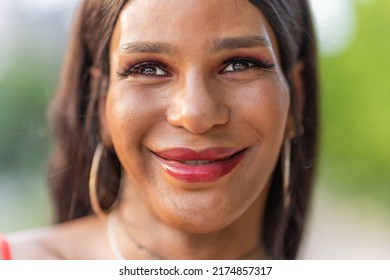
x: 197, y: 162
x: 203, y: 162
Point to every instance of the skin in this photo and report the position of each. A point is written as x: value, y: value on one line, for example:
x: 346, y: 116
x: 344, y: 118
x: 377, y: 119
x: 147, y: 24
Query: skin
x: 193, y: 99
x: 196, y: 94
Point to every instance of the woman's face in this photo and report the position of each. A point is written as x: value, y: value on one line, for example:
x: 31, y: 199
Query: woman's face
x: 196, y: 109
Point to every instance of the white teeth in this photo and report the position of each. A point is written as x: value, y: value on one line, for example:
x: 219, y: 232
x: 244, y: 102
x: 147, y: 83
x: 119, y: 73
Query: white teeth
x: 197, y: 162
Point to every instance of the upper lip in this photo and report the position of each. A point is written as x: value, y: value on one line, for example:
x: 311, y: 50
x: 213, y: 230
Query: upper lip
x: 209, y: 154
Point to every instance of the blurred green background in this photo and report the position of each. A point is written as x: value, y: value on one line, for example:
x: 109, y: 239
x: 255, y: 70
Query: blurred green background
x: 355, y: 104
x: 33, y: 38
x: 355, y: 154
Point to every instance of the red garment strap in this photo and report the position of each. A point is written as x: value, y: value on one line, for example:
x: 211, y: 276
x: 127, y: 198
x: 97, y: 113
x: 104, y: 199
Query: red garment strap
x: 5, y: 251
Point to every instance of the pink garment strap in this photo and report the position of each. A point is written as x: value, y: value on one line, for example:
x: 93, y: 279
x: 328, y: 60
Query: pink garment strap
x: 5, y: 251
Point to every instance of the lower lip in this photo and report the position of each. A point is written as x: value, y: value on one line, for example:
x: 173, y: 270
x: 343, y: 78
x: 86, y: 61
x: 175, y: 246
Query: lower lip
x: 200, y: 173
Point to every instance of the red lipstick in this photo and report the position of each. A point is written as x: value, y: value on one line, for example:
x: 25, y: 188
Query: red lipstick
x: 199, y: 166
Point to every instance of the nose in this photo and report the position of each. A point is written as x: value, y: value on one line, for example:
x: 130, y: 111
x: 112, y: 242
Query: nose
x: 197, y: 105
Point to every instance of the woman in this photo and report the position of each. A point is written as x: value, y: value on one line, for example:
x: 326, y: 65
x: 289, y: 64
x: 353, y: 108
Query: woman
x: 184, y: 130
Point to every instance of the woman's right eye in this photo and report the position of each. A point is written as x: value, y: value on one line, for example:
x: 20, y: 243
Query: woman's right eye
x: 145, y: 69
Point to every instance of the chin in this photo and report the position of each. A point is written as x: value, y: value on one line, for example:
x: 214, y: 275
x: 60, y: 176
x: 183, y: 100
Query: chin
x: 198, y: 225
x: 201, y: 213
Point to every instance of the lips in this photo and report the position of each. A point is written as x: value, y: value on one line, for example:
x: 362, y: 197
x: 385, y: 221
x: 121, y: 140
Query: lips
x: 199, y: 166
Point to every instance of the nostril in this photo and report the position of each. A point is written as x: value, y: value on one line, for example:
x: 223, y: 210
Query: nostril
x: 198, y: 107
x: 198, y: 122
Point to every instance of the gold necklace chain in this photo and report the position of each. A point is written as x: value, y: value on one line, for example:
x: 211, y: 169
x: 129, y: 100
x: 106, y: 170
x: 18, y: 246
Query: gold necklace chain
x: 112, y: 224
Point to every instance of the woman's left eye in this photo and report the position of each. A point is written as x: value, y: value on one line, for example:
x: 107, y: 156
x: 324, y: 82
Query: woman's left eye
x: 244, y: 64
x: 238, y: 66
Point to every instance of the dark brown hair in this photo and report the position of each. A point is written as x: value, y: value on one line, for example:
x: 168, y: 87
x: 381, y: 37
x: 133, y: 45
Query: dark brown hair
x: 75, y: 119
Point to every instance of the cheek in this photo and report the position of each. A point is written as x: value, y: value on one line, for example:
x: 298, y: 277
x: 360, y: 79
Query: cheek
x: 264, y: 108
x: 263, y: 115
x: 130, y: 116
x: 123, y: 118
x: 130, y: 112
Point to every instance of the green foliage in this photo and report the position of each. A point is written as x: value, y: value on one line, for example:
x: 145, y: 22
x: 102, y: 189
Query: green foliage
x: 25, y: 89
x: 356, y: 109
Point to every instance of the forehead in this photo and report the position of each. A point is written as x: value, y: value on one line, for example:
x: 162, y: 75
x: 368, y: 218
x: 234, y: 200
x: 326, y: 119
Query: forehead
x: 189, y: 22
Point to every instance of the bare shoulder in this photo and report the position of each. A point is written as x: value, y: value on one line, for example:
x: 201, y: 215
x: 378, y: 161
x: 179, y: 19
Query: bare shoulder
x: 75, y: 239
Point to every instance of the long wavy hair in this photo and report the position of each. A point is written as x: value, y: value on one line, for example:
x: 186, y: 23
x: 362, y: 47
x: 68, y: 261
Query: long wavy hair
x: 74, y: 118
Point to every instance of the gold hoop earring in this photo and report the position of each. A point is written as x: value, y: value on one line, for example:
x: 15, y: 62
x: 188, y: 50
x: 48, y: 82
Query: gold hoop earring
x: 286, y: 162
x: 93, y: 195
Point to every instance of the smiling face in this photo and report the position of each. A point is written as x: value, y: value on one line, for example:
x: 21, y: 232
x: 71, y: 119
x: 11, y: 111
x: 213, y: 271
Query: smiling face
x: 196, y: 109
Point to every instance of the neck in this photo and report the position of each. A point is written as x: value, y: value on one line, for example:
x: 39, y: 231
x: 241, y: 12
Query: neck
x: 141, y: 234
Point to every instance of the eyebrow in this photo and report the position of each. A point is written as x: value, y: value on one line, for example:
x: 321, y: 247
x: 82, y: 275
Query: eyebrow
x: 148, y: 47
x: 218, y: 45
x: 231, y: 43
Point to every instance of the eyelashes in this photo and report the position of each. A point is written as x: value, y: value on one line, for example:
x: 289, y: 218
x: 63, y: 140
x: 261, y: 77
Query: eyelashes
x: 243, y: 64
x: 153, y: 69
x: 147, y: 69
